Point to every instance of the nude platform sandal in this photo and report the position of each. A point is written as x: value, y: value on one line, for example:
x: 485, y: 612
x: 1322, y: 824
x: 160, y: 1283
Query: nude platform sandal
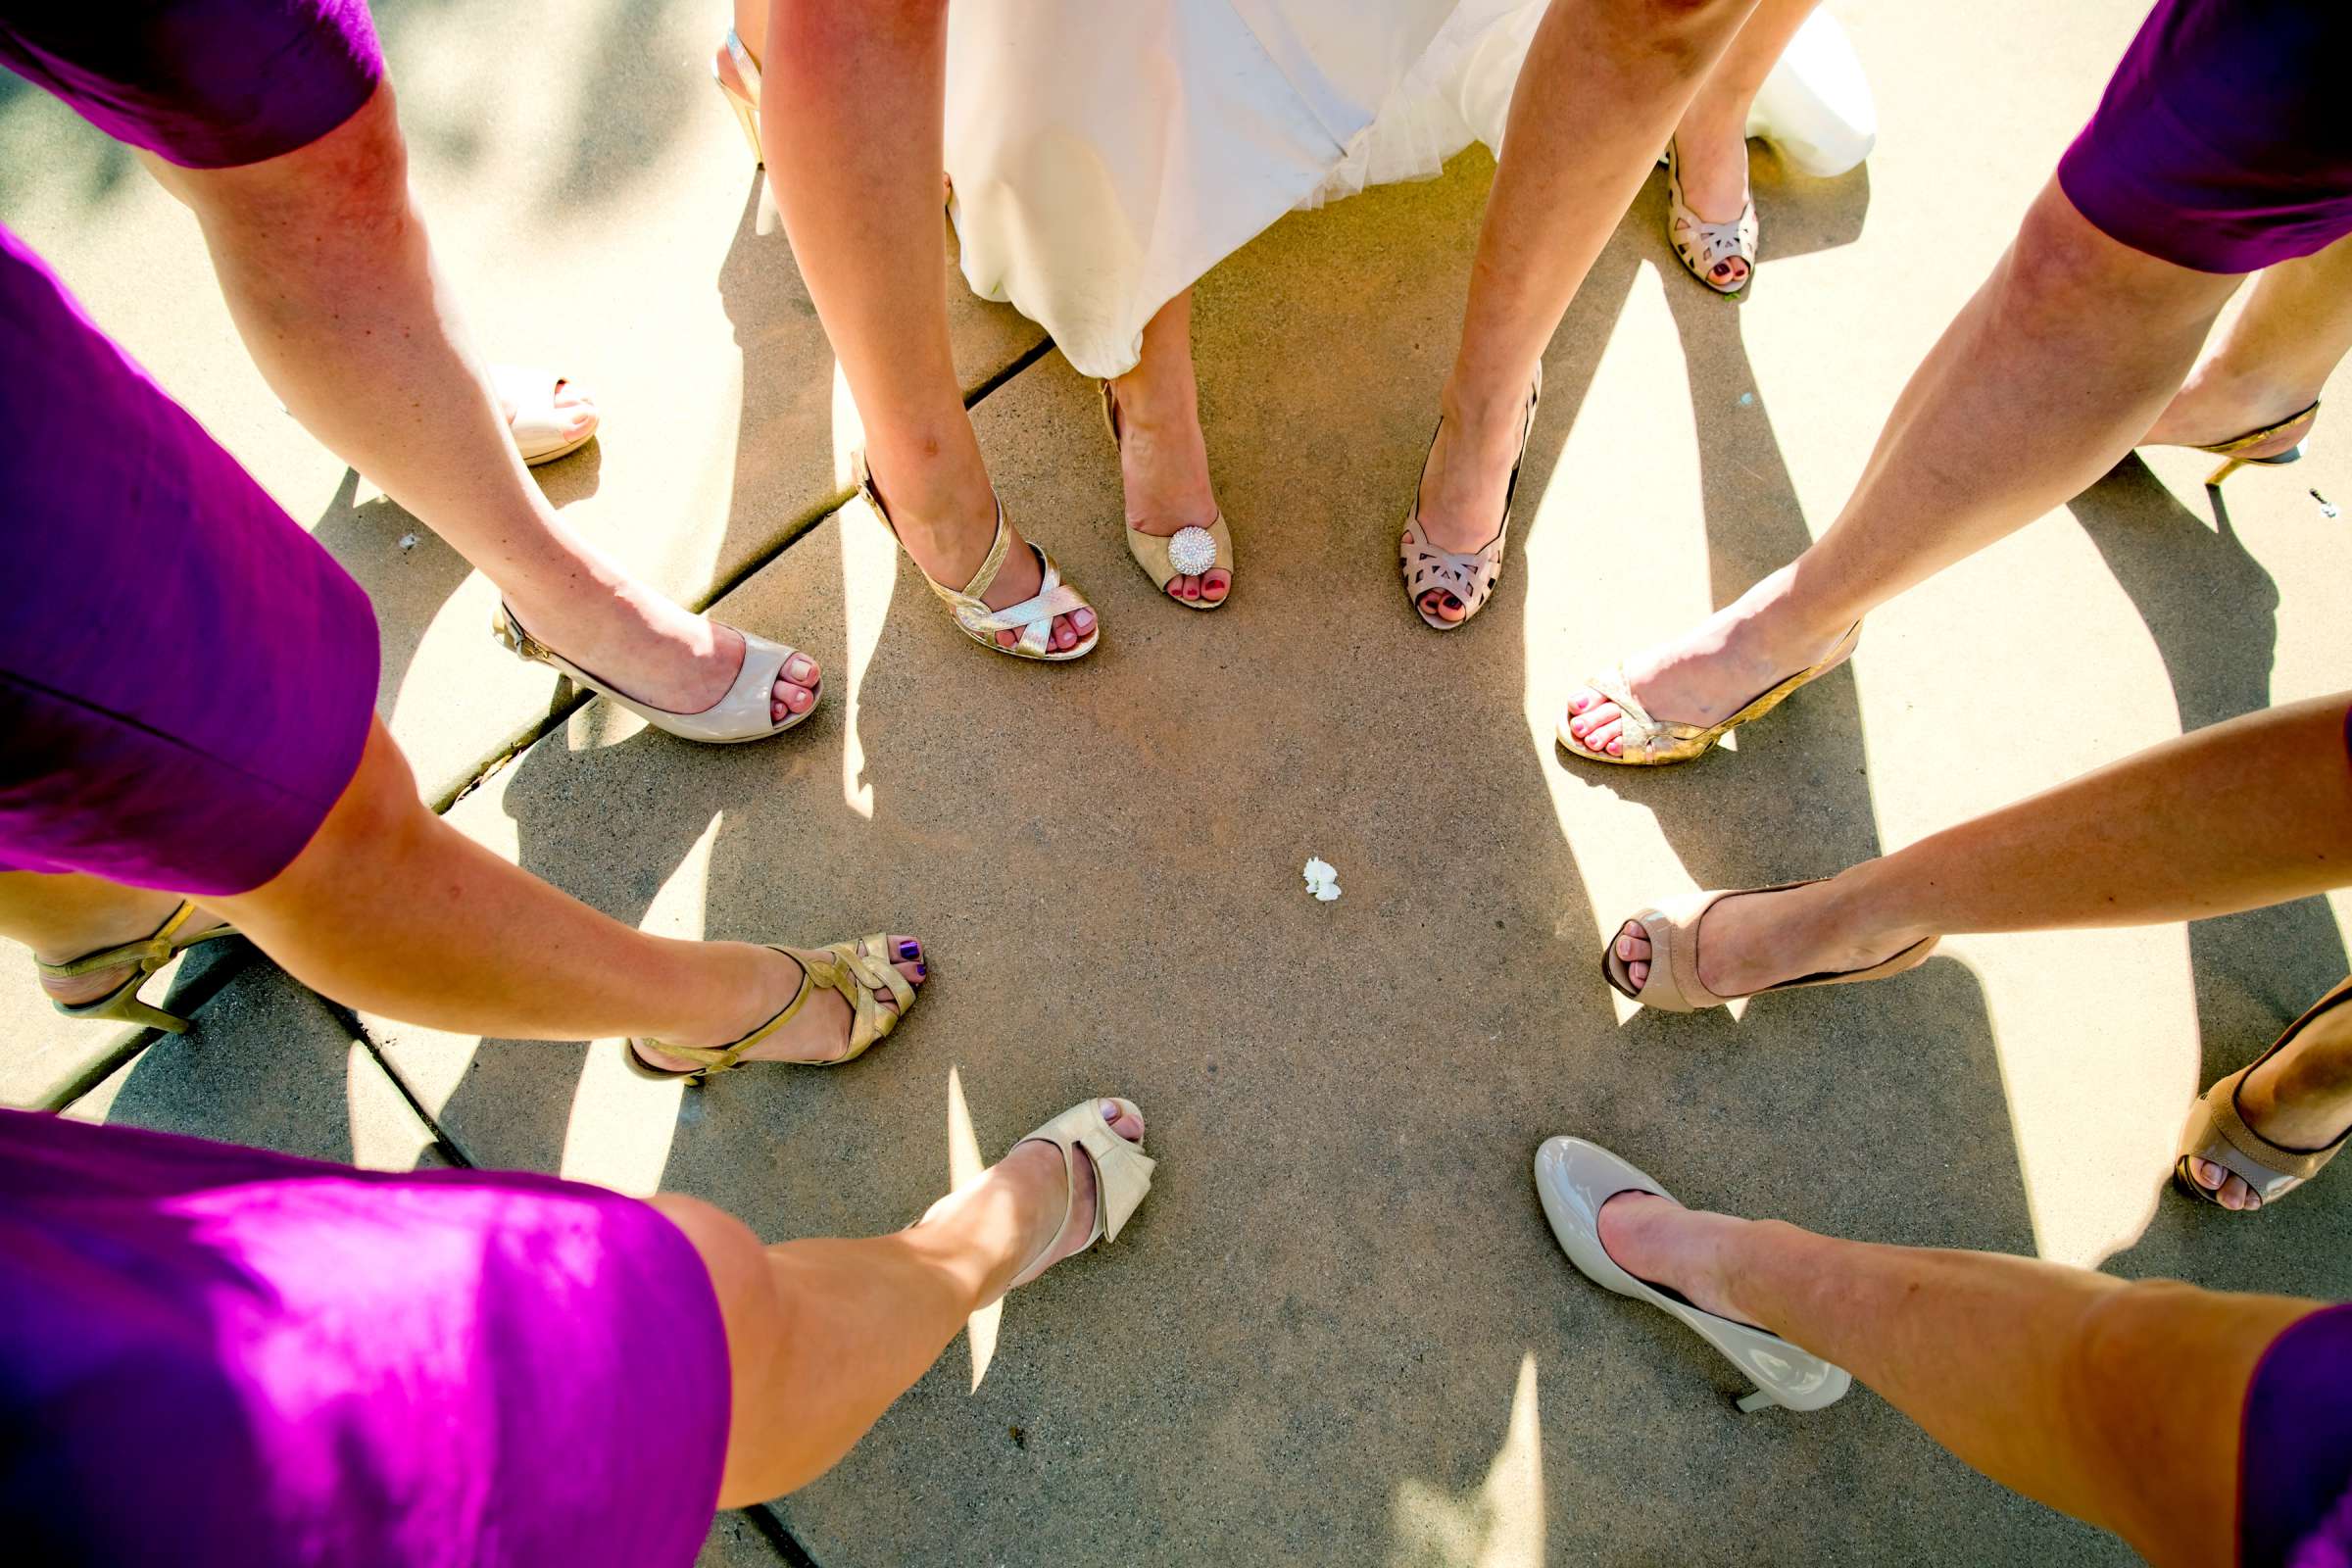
x: 2218, y: 1135
x: 745, y: 714
x: 1574, y: 1178
x: 1469, y: 575
x: 1658, y: 743
x: 150, y: 954
x: 1032, y: 620
x: 859, y: 970
x: 1189, y: 552
x: 1674, y: 985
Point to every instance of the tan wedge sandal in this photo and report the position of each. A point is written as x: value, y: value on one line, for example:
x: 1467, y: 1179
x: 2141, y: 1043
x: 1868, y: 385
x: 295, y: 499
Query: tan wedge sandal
x: 1122, y: 1174
x: 1189, y: 552
x: 2218, y: 1135
x: 1659, y: 743
x: 150, y: 954
x: 2234, y: 449
x: 1701, y: 246
x: 1032, y: 620
x: 1674, y: 985
x: 745, y: 714
x: 859, y: 970
x: 1471, y: 575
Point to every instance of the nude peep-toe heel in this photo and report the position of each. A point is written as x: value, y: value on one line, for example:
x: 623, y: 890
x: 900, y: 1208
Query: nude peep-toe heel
x: 1674, y: 985
x: 1122, y: 1174
x: 745, y: 714
x: 2219, y: 1135
x: 1186, y: 553
x: 1658, y: 743
x: 1031, y: 620
x: 861, y: 971
x: 1574, y: 1178
x: 150, y: 954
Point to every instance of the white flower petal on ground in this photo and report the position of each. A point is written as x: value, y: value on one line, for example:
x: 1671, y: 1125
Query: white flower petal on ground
x: 1322, y: 880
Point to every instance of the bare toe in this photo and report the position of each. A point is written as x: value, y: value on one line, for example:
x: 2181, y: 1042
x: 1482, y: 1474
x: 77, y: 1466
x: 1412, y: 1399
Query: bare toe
x: 1215, y: 584
x: 1128, y: 1126
x: 1608, y: 737
x: 1083, y: 622
x: 1592, y: 716
x: 1007, y: 639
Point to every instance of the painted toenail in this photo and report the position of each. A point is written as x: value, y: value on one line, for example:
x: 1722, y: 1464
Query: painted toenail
x: 909, y: 950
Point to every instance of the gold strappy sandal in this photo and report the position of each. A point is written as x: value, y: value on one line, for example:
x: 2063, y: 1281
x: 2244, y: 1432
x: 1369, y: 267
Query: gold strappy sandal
x: 150, y: 953
x: 1189, y: 552
x: 1674, y: 985
x: 2218, y: 1135
x: 859, y: 970
x: 1032, y: 620
x: 2268, y: 434
x: 1469, y: 575
x: 1656, y: 742
x: 1122, y: 1174
x: 1703, y: 246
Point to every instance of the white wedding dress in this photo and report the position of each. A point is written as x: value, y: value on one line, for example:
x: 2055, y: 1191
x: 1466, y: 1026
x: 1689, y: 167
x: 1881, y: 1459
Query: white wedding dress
x: 1105, y: 154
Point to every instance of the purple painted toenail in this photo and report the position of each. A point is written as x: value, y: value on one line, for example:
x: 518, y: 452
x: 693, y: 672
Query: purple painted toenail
x: 909, y: 950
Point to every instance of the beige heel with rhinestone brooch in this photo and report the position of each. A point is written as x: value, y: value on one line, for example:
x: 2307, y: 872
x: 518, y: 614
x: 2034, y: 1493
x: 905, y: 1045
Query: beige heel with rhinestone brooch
x: 1189, y: 552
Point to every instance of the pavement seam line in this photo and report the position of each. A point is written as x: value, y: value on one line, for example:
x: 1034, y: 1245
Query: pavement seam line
x: 763, y: 1518
x: 799, y: 528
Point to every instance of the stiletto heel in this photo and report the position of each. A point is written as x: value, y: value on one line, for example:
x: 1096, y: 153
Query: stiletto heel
x: 149, y: 953
x: 1758, y: 1400
x: 745, y: 104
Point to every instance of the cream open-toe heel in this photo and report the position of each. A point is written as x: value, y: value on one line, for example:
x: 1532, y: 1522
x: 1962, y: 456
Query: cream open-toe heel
x: 745, y: 714
x: 859, y: 970
x: 539, y: 427
x: 2218, y: 1135
x: 1701, y: 246
x: 1188, y: 552
x: 1674, y: 985
x: 1122, y: 1174
x: 1031, y: 620
x: 1658, y: 743
x: 1469, y: 575
x: 1574, y: 1178
x: 2232, y: 450
x: 150, y: 954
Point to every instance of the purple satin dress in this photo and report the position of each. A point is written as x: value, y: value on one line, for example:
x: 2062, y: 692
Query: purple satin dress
x: 219, y: 1357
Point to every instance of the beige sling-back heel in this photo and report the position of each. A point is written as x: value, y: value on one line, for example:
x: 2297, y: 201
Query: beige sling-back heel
x: 745, y: 714
x: 1674, y: 985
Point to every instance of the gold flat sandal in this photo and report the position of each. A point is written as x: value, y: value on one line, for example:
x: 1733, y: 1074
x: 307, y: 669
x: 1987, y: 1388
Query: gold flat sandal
x: 2218, y: 1135
x: 1032, y: 620
x: 1674, y: 985
x: 859, y: 970
x: 1658, y: 743
x: 150, y: 954
x: 1189, y: 552
x: 2230, y: 449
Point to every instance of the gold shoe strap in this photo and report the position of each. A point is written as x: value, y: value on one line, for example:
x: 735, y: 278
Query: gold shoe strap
x: 2255, y: 438
x: 709, y: 1059
x: 151, y: 951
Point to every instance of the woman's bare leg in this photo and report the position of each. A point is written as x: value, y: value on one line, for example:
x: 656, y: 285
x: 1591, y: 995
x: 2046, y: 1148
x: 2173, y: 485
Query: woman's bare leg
x: 853, y: 100
x: 2116, y: 1402
x: 1603, y: 83
x: 2045, y: 379
x: 1163, y: 456
x: 390, y: 910
x: 2272, y: 360
x: 823, y: 1335
x: 324, y: 260
x: 1711, y: 138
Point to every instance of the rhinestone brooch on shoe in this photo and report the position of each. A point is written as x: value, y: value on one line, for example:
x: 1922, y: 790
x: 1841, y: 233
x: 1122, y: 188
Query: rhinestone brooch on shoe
x: 1193, y: 550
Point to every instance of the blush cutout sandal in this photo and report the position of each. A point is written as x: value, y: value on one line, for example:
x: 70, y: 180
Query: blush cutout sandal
x: 1469, y: 575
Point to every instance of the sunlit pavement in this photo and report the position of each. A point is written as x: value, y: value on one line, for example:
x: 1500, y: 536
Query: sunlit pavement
x: 1338, y: 1331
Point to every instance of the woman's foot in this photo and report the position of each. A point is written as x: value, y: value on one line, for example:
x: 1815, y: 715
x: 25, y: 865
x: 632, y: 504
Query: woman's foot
x: 1713, y: 670
x: 1660, y: 1243
x: 139, y: 914
x: 1466, y: 480
x: 1031, y: 1177
x: 654, y: 650
x: 1711, y: 155
x: 1163, y: 464
x: 818, y: 1033
x: 2214, y: 405
x: 1755, y: 940
x: 2301, y: 1098
x: 945, y: 526
x: 573, y: 407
